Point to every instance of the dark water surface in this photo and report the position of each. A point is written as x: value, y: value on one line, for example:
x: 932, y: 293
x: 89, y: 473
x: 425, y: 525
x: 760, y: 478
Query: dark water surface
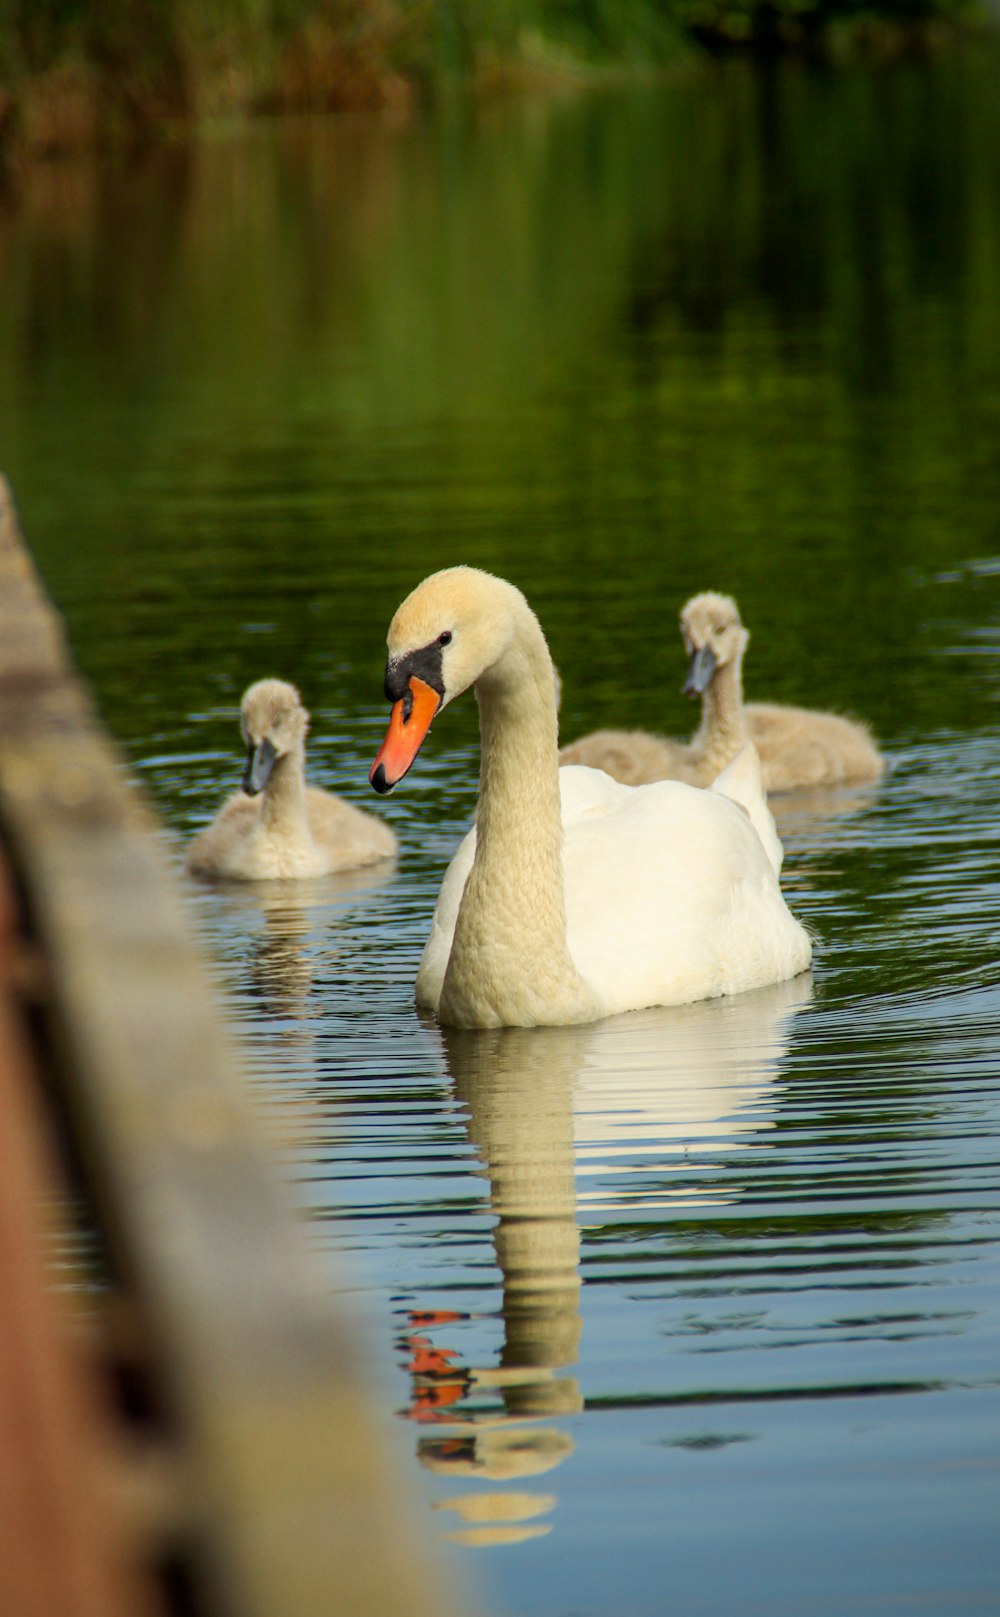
x: 695, y: 1311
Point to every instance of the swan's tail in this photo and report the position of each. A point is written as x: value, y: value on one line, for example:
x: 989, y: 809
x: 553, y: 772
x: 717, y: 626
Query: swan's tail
x: 743, y: 782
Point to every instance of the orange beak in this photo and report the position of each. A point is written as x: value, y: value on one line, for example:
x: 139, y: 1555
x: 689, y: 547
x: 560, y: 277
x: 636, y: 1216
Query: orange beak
x: 409, y: 722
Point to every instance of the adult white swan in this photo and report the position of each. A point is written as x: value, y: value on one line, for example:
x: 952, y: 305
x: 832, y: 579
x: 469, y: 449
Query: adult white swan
x: 611, y: 899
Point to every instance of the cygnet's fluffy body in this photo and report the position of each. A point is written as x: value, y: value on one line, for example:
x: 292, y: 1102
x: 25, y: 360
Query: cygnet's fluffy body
x: 798, y: 747
x: 278, y: 826
x: 574, y: 897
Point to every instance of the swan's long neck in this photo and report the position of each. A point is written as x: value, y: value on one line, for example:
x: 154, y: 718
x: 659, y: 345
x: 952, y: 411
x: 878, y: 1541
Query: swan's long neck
x: 283, y: 809
x: 723, y: 727
x: 510, y: 963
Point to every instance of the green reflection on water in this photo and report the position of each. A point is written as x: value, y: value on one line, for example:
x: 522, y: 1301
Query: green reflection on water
x: 742, y: 331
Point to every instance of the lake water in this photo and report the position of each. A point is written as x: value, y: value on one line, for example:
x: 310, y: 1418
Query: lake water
x: 696, y: 1311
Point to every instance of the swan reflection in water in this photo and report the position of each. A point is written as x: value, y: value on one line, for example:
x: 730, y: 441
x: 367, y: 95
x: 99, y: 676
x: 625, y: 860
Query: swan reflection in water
x: 635, y: 1111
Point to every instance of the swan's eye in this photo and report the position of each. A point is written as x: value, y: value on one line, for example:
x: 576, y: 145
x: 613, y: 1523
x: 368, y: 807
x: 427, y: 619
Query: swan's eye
x: 445, y: 639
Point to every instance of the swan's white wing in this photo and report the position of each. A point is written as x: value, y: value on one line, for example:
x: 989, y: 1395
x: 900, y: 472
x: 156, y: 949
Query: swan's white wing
x: 743, y: 781
x: 670, y: 894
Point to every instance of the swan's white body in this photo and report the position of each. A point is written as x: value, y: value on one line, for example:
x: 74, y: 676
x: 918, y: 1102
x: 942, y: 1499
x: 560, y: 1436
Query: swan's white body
x: 649, y: 923
x: 290, y: 830
x: 799, y: 747
x: 576, y: 897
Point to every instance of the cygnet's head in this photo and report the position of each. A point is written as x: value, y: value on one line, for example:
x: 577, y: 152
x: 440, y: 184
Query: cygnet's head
x: 713, y: 636
x: 274, y: 723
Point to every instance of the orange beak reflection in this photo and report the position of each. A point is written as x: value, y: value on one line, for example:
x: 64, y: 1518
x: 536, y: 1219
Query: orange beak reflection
x: 409, y: 722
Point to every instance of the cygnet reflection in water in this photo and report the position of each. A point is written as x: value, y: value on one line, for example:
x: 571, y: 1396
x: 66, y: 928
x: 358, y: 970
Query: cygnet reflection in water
x: 641, y: 1094
x: 286, y: 931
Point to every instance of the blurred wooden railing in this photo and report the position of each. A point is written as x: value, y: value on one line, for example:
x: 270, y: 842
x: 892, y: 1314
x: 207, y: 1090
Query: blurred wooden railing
x: 188, y: 1430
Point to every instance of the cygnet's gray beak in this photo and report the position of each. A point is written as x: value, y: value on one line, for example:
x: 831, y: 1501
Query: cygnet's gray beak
x: 700, y: 671
x: 260, y: 762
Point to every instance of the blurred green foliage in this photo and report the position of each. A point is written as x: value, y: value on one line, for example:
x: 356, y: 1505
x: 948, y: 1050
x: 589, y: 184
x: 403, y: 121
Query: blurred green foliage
x: 418, y: 38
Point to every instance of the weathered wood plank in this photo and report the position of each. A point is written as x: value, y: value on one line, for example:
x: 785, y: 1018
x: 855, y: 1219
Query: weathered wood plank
x: 67, y: 1543
x: 289, y: 1509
